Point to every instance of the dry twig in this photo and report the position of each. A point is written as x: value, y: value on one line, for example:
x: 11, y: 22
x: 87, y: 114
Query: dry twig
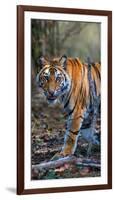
x: 66, y: 160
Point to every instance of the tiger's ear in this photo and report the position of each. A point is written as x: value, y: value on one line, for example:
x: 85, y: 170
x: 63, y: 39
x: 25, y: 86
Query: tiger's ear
x: 63, y: 61
x: 41, y: 61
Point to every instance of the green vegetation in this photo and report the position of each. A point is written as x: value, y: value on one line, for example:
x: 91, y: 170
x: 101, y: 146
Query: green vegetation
x: 55, y: 38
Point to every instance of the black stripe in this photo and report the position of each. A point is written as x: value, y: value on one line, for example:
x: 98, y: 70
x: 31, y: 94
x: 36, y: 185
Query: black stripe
x: 74, y: 105
x: 66, y: 104
x: 62, y: 97
x: 95, y: 87
x: 83, y: 70
x: 78, y: 95
x: 77, y: 61
x: 70, y: 112
x: 74, y: 132
x: 96, y: 70
x: 71, y: 61
x: 69, y: 137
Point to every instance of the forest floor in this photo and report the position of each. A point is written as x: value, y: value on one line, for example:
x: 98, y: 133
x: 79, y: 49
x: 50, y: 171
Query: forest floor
x: 48, y: 128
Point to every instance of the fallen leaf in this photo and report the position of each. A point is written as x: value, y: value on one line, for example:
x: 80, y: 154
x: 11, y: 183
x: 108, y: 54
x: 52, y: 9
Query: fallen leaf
x: 61, y: 169
x: 84, y: 171
x: 66, y: 166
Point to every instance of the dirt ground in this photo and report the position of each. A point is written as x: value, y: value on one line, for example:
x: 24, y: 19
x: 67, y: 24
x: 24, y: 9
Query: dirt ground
x: 47, y: 132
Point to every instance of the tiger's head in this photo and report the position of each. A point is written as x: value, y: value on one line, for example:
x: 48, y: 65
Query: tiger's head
x: 53, y: 78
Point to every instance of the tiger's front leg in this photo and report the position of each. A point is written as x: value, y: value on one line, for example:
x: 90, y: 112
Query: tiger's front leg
x: 72, y: 133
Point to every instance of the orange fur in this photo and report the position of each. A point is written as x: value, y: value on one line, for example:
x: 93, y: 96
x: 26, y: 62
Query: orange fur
x: 77, y: 98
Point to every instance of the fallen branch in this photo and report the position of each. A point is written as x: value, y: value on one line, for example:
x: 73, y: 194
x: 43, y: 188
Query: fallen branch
x: 66, y: 160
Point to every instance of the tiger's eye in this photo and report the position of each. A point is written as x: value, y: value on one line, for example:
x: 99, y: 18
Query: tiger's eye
x: 46, y: 77
x: 43, y: 79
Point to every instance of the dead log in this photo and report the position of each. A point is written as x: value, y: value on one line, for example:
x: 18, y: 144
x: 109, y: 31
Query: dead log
x: 66, y: 160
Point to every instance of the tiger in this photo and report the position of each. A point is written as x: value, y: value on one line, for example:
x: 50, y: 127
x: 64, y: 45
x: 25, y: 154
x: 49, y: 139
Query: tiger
x: 66, y: 80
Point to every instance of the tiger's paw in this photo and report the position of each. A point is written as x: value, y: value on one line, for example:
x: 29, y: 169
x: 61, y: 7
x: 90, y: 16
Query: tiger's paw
x: 61, y: 154
x: 64, y: 154
x: 67, y: 151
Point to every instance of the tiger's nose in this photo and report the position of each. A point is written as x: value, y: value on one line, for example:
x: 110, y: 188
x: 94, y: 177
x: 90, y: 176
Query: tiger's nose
x: 51, y: 92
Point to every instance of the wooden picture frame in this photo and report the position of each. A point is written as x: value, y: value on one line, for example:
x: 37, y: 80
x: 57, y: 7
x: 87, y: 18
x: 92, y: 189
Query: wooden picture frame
x: 21, y: 96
